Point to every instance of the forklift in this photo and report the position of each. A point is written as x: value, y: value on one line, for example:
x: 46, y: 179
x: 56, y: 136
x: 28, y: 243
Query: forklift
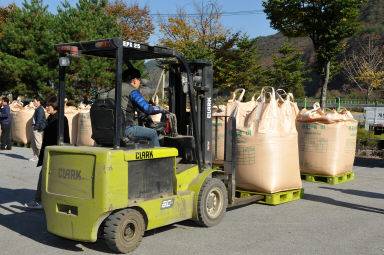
x: 118, y: 191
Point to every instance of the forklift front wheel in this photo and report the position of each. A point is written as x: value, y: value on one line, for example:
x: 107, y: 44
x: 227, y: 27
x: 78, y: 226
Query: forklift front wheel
x: 124, y: 230
x: 212, y: 202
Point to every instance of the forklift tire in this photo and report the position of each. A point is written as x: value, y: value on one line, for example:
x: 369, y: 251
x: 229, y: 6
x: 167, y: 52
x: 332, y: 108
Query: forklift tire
x: 212, y: 202
x: 124, y: 230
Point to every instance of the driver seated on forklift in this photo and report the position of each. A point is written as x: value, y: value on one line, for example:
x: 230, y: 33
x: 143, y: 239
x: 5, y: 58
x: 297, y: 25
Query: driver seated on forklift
x: 132, y: 101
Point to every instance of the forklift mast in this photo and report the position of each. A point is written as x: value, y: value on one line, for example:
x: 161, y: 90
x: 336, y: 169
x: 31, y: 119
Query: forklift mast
x: 202, y: 77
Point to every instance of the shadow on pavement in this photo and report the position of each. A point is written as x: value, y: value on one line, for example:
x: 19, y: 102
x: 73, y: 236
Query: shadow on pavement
x: 357, y: 192
x: 102, y: 247
x: 29, y: 223
x: 12, y: 155
x: 32, y: 224
x: 369, y: 162
x: 330, y: 201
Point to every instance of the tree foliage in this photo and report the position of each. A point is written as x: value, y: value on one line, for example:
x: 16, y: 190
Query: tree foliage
x: 88, y: 20
x: 27, y: 58
x: 203, y: 36
x: 364, y: 65
x: 28, y: 62
x: 6, y: 13
x: 203, y: 30
x: 327, y: 23
x: 134, y: 22
x: 287, y: 71
x: 238, y: 65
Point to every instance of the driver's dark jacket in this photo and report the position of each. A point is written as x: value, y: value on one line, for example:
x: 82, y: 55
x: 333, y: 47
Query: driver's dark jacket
x: 50, y: 134
x: 132, y: 101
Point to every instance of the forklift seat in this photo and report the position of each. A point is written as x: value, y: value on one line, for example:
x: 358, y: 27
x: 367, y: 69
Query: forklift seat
x: 103, y: 117
x: 185, y: 146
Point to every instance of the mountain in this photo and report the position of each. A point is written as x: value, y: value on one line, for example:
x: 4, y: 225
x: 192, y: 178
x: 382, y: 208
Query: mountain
x: 372, y: 20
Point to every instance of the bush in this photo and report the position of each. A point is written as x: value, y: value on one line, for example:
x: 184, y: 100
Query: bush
x: 367, y: 140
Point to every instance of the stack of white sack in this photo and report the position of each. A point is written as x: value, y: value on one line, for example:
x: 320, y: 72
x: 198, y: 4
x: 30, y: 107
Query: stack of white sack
x: 219, y: 118
x: 72, y: 114
x: 327, y: 141
x: 84, y: 130
x: 21, y: 121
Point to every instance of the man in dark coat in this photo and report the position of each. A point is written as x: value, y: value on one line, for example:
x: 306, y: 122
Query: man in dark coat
x: 49, y: 138
x: 39, y: 123
x: 5, y: 121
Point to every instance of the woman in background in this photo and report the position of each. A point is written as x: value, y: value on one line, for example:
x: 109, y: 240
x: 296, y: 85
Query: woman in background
x: 49, y: 138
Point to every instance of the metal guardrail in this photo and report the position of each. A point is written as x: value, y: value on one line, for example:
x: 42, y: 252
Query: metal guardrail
x: 334, y: 105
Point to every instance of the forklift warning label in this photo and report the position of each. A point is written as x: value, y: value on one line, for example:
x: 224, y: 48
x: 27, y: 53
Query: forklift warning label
x: 144, y: 155
x: 167, y: 203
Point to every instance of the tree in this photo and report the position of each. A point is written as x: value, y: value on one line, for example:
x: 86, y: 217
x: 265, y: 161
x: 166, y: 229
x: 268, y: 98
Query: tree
x: 88, y: 20
x: 364, y: 66
x: 27, y: 58
x: 93, y: 20
x: 195, y: 36
x: 6, y: 13
x: 237, y: 64
x: 135, y: 22
x: 287, y: 70
x: 203, y: 30
x: 327, y: 23
x: 203, y: 36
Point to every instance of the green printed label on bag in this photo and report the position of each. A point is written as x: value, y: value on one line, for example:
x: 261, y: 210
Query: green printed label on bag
x: 314, y: 145
x: 246, y: 155
x: 352, y: 128
x: 240, y: 133
x: 313, y: 126
x: 218, y: 124
x: 312, y: 133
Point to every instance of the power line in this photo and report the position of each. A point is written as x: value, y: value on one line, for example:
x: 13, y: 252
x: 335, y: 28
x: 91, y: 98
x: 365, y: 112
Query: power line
x: 237, y: 13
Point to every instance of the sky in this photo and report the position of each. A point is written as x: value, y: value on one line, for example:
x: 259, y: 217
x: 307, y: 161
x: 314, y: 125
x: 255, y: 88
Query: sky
x: 250, y: 20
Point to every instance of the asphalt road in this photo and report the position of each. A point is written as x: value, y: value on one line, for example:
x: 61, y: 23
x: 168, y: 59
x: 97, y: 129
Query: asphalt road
x: 341, y: 219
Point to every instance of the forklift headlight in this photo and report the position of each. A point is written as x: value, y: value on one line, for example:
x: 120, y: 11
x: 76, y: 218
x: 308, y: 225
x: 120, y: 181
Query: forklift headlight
x: 64, y: 61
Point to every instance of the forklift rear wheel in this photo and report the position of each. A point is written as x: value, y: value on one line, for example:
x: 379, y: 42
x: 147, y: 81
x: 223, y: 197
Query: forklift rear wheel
x: 124, y: 230
x: 212, y: 202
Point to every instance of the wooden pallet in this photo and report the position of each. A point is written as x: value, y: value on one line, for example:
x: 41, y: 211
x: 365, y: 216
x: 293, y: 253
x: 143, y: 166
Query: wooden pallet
x: 273, y: 198
x: 328, y: 179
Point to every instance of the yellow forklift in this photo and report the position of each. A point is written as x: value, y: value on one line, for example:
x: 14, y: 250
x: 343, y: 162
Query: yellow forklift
x: 118, y: 190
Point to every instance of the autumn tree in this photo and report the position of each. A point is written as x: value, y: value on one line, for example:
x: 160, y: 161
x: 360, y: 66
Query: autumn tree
x: 203, y: 36
x: 6, y: 13
x: 135, y: 22
x: 287, y: 71
x: 195, y: 36
x: 364, y: 66
x: 326, y: 23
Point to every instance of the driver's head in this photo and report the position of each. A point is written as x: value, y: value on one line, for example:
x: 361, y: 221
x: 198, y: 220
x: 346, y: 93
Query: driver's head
x: 133, y: 76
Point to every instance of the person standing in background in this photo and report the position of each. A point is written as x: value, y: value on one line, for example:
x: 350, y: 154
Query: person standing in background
x: 39, y: 122
x: 5, y: 120
x: 49, y: 138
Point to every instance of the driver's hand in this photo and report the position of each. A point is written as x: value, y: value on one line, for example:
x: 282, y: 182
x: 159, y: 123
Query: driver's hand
x: 151, y: 124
